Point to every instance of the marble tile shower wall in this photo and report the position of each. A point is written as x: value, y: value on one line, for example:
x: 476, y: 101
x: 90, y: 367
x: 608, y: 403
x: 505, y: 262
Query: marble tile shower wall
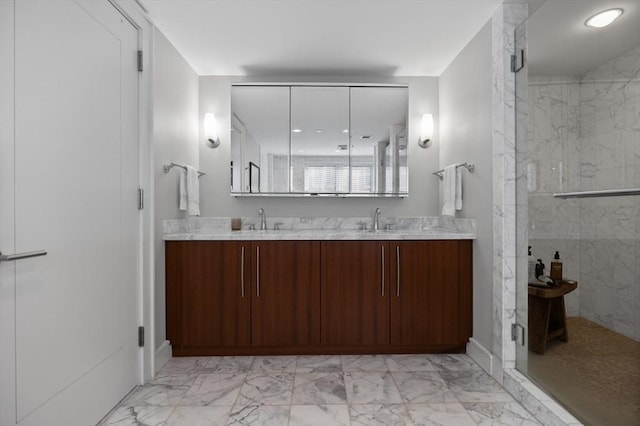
x: 584, y: 134
x: 554, y: 156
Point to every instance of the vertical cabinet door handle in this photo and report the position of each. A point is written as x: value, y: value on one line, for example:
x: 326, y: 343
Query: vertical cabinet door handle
x: 242, y: 272
x: 398, y: 271
x: 258, y: 271
x: 382, y: 255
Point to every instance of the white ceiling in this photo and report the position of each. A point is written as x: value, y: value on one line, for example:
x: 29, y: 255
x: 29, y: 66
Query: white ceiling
x: 320, y: 37
x: 560, y: 44
x: 379, y: 37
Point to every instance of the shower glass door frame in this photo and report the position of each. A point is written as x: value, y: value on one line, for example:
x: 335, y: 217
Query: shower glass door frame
x: 519, y: 67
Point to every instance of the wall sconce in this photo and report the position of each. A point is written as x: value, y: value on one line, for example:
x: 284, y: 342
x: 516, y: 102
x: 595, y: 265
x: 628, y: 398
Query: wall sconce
x: 211, y: 130
x: 426, y: 131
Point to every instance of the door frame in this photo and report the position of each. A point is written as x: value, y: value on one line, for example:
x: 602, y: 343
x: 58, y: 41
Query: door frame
x: 134, y: 13
x: 7, y: 187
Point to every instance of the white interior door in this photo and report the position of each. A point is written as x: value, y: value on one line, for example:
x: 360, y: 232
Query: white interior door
x: 69, y: 330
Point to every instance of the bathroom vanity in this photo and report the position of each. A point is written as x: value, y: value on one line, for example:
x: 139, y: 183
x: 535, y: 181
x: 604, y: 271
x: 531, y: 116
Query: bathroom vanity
x: 318, y: 291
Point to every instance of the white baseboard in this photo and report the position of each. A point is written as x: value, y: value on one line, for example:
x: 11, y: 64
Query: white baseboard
x: 163, y: 354
x: 497, y: 371
x: 480, y: 355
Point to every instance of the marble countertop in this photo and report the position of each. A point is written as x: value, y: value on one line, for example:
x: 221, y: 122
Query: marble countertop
x: 324, y: 234
x: 421, y: 228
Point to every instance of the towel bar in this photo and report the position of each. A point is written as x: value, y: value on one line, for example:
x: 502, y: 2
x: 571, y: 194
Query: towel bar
x: 602, y: 193
x: 470, y: 167
x: 168, y: 167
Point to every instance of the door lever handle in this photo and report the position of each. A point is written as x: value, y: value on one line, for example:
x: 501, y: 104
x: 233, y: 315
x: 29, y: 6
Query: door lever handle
x: 18, y: 256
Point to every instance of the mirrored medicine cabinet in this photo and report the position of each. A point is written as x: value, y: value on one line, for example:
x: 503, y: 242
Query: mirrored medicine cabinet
x: 310, y: 140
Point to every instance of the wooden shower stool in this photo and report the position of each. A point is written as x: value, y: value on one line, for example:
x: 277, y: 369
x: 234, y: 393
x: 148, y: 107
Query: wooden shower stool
x: 547, y: 315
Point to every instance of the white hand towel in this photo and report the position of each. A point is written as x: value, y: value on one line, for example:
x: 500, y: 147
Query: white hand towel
x: 458, y: 188
x: 183, y: 190
x: 193, y: 192
x: 449, y: 188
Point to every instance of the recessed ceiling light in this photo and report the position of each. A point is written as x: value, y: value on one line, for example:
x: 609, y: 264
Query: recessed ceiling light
x: 345, y: 131
x: 318, y: 130
x: 603, y: 18
x: 365, y: 137
x: 296, y: 130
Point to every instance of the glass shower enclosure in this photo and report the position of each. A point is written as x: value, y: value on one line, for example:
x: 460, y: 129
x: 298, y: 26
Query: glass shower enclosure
x: 578, y: 144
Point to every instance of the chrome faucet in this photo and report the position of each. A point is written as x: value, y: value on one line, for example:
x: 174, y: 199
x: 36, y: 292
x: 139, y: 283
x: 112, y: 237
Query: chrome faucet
x: 263, y: 219
x: 375, y: 219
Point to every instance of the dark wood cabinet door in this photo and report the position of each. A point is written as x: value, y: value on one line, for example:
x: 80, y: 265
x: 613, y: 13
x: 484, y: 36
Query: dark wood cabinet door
x: 215, y: 299
x: 355, y: 293
x: 285, y: 293
x: 431, y: 292
x: 173, y: 262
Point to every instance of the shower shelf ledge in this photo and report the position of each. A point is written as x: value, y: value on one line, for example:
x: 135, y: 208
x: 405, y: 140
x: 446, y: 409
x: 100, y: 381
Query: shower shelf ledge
x: 602, y: 193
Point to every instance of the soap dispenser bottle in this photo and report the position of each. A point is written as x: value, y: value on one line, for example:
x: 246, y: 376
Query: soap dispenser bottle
x: 532, y: 267
x: 539, y: 268
x: 556, y: 268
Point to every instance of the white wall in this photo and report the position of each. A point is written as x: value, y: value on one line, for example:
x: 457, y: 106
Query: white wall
x: 215, y: 200
x: 466, y: 135
x: 175, y: 138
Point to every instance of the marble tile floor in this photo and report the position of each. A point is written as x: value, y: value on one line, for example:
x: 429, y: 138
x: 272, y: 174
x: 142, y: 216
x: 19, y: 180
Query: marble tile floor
x: 356, y: 390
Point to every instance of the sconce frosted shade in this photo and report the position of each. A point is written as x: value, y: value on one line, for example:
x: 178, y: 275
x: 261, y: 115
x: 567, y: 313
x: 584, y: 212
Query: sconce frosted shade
x: 426, y: 131
x: 211, y: 130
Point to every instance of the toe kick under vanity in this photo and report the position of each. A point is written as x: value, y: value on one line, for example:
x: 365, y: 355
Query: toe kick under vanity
x: 318, y: 286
